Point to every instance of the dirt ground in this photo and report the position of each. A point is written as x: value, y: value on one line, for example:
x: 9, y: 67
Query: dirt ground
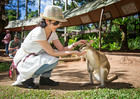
x: 72, y: 75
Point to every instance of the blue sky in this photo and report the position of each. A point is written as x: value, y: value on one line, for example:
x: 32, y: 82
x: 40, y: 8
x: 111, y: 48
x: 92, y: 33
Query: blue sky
x: 33, y: 8
x: 44, y: 3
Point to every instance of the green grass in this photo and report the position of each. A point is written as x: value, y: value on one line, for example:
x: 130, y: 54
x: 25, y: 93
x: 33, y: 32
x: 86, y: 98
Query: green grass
x: 10, y: 92
x: 4, y: 67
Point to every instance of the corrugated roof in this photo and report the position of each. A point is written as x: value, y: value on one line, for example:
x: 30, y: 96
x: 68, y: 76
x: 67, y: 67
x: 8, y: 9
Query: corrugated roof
x: 88, y: 7
x: 89, y: 13
x: 20, y: 23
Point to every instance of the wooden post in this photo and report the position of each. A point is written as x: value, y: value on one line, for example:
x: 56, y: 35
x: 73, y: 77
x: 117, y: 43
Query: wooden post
x: 22, y: 34
x: 1, y: 17
x: 65, y: 29
x: 100, y: 23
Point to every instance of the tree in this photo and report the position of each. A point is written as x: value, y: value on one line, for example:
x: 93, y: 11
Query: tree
x: 32, y: 13
x: 13, y: 5
x: 122, y: 23
x: 11, y: 14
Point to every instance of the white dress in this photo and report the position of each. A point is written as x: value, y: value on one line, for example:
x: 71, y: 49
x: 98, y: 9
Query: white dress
x: 27, y: 66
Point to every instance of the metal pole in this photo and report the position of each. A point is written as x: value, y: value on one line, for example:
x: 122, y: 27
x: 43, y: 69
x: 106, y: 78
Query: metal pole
x: 100, y: 23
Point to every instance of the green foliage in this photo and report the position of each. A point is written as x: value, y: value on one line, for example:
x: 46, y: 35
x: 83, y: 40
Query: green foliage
x: 4, y: 66
x: 10, y: 92
x: 32, y: 13
x: 95, y: 44
x: 13, y: 6
x: 134, y: 43
x: 61, y: 40
x: 121, y: 21
x: 114, y: 46
x: 73, y: 40
x: 110, y: 41
x: 11, y: 14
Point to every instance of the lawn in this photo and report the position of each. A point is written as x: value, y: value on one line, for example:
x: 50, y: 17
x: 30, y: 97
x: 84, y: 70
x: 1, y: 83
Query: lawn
x: 4, y: 67
x: 10, y: 92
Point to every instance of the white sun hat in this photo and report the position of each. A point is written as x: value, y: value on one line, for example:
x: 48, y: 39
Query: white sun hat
x: 53, y: 13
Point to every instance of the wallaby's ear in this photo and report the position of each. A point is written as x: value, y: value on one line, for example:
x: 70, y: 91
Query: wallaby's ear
x: 91, y: 41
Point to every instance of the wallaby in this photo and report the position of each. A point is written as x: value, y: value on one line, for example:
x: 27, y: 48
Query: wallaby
x: 97, y: 65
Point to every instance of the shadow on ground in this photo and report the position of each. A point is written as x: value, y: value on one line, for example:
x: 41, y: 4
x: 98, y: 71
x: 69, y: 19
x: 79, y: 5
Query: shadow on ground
x: 77, y: 86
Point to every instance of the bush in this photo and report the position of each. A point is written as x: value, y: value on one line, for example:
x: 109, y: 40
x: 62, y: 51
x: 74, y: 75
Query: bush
x: 134, y: 43
x: 114, y: 46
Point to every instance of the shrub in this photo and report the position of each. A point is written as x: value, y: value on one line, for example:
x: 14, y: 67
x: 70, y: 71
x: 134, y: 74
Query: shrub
x: 134, y: 43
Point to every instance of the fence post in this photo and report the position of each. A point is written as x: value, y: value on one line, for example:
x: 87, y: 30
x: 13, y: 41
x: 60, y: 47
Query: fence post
x: 100, y: 23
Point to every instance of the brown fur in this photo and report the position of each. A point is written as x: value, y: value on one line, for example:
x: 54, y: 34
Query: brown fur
x: 98, y: 65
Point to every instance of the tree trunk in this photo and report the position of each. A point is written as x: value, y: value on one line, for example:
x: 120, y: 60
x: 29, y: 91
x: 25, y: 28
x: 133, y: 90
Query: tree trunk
x: 53, y: 2
x: 39, y: 7
x: 65, y: 28
x: 17, y: 14
x: 26, y: 9
x: 124, y: 45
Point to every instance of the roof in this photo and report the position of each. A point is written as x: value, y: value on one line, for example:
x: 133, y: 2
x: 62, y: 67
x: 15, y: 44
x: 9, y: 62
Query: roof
x: 88, y: 7
x: 89, y: 13
x: 18, y: 25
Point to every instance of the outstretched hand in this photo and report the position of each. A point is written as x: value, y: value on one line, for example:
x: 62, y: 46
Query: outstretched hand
x: 81, y: 42
x: 80, y: 53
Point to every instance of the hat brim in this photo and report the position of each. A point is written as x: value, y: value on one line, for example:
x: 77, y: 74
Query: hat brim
x: 55, y: 19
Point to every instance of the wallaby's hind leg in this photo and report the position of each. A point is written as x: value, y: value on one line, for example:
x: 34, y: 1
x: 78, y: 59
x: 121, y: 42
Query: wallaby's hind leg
x: 103, y: 77
x: 110, y: 79
x: 104, y: 74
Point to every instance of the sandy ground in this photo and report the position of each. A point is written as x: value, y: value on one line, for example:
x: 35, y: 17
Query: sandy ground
x: 72, y: 75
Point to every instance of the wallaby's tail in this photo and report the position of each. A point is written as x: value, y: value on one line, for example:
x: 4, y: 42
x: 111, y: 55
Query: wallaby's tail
x: 110, y: 79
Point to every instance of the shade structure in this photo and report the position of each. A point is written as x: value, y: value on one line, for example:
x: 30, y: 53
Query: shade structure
x: 23, y: 25
x: 89, y: 13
